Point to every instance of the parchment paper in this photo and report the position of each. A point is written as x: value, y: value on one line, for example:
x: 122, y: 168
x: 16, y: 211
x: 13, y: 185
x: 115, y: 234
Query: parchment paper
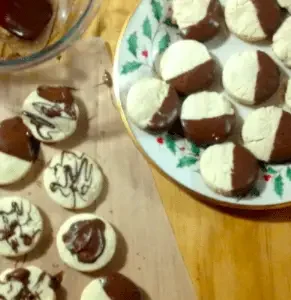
x: 147, y: 251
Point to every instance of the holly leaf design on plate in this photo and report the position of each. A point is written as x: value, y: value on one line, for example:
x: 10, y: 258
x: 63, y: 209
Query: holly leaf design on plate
x: 157, y: 9
x: 288, y: 173
x: 130, y: 66
x: 270, y: 170
x: 171, y: 144
x: 147, y: 28
x: 187, y: 161
x: 279, y: 186
x: 132, y: 43
x: 169, y: 23
x: 164, y: 43
x: 195, y: 149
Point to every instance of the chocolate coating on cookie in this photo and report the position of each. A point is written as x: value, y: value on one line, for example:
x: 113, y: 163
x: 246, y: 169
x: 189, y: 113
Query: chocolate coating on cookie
x: 269, y: 15
x: 16, y: 140
x: 86, y: 240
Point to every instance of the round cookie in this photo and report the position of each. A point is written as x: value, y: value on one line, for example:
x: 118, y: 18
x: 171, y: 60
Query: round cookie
x: 152, y: 104
x: 266, y: 133
x: 86, y: 242
x: 73, y: 180
x: 251, y: 77
x: 282, y: 42
x: 51, y: 113
x: 21, y: 226
x: 207, y: 118
x: 252, y: 20
x: 229, y: 169
x: 112, y: 287
x: 188, y: 67
x: 18, y: 150
x: 285, y: 4
x: 27, y: 283
x: 197, y: 20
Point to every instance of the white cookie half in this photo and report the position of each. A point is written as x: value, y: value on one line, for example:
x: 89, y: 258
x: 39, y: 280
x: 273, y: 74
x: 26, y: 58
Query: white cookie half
x: 39, y: 284
x: 288, y: 94
x: 83, y: 237
x: 21, y: 226
x: 48, y: 121
x: 282, y: 42
x: 73, y: 180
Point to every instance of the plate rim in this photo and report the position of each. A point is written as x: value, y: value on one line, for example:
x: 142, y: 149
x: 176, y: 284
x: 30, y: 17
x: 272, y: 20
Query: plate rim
x: 190, y: 192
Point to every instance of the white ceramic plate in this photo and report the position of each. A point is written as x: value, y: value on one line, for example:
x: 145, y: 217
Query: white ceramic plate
x: 148, y: 33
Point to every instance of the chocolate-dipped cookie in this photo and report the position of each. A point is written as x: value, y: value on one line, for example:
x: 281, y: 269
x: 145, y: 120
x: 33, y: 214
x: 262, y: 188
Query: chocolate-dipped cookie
x: 27, y: 283
x: 207, y: 118
x: 86, y: 242
x: 229, y: 169
x: 197, y: 20
x: 282, y: 42
x: 188, y: 67
x: 18, y: 150
x: 251, y: 77
x: 266, y: 133
x: 152, y: 104
x: 51, y: 113
x: 21, y: 226
x: 73, y: 180
x: 252, y: 20
x: 285, y: 4
x: 112, y: 287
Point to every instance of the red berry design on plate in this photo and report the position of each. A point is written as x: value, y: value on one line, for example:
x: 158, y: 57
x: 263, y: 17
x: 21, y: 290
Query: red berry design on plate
x: 160, y: 140
x: 145, y: 53
x: 182, y: 148
x: 267, y: 177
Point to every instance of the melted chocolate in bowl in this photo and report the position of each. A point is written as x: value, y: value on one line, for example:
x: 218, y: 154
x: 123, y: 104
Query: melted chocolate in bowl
x: 26, y: 19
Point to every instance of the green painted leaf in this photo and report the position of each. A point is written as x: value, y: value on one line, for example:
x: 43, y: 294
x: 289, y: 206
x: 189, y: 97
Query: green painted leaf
x: 147, y: 28
x: 195, y: 149
x: 164, y: 43
x: 288, y: 173
x: 186, y: 161
x: 157, y: 9
x: 279, y: 186
x: 255, y: 192
x: 171, y: 143
x: 169, y: 23
x: 130, y: 66
x: 270, y: 170
x: 132, y: 43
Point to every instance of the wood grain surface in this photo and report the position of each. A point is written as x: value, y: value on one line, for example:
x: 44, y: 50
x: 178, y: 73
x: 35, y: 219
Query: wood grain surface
x: 230, y: 254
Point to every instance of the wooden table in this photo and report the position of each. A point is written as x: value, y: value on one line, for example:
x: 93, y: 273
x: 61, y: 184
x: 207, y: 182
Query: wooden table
x: 230, y: 255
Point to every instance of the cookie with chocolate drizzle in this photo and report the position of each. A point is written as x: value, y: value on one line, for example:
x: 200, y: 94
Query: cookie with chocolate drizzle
x: 21, y: 226
x: 86, y: 242
x: 51, y: 113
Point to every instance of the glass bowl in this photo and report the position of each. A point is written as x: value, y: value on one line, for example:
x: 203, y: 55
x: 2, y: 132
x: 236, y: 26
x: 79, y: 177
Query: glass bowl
x: 72, y: 18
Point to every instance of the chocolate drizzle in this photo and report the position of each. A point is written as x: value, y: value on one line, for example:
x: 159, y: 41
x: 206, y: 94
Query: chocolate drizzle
x: 86, y: 240
x: 73, y: 180
x: 25, y: 19
x: 8, y: 232
x: 26, y: 292
x: 119, y: 287
x: 269, y: 15
x: 16, y: 140
x: 207, y: 27
x: 268, y: 78
x: 197, y: 79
